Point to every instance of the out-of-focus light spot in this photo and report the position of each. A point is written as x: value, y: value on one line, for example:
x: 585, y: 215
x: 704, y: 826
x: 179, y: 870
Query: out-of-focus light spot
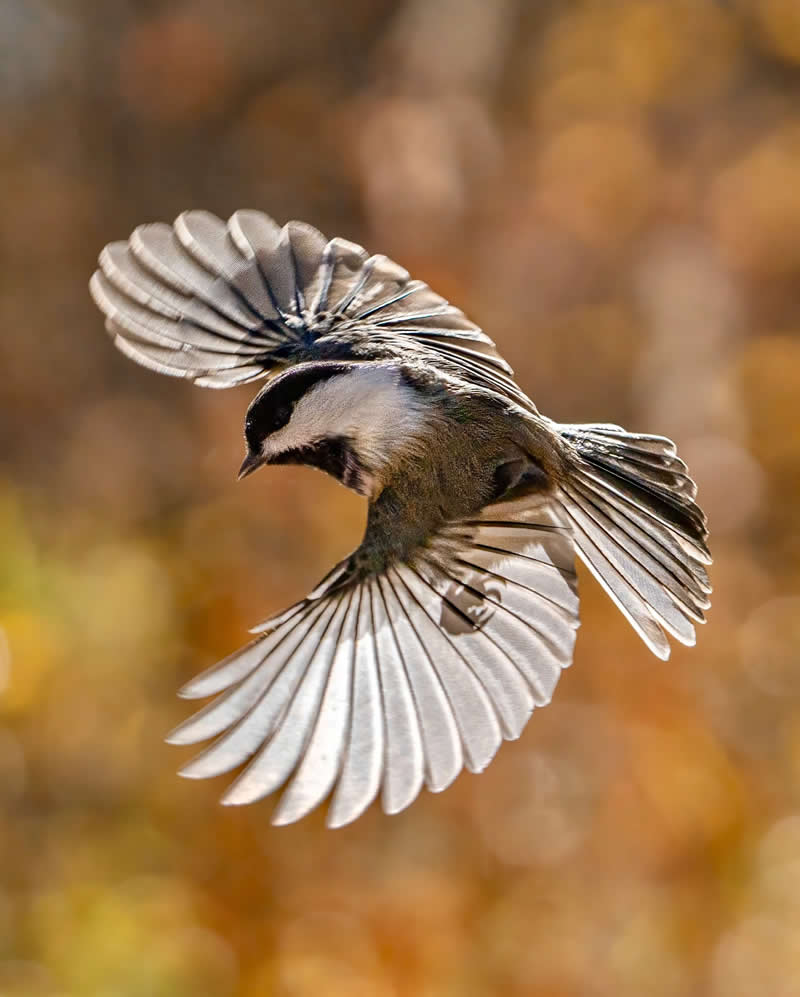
x: 110, y: 744
x: 269, y: 139
x: 769, y: 380
x: 759, y: 956
x: 45, y: 197
x: 22, y: 978
x: 601, y: 337
x: 138, y: 936
x: 36, y: 45
x: 692, y: 317
x: 648, y: 48
x: 597, y: 180
x: 37, y: 641
x: 571, y: 40
x: 682, y: 770
x: 537, y: 808
x: 688, y: 296
x: 586, y: 93
x: 780, y: 23
x: 730, y: 481
x: 9, y: 923
x: 768, y: 646
x: 673, y: 52
x: 12, y: 767
x: 5, y: 661
x: 126, y: 480
x: 411, y: 169
x: 645, y: 955
x: 331, y: 954
x: 174, y: 68
x: 536, y: 816
x: 755, y: 206
x: 649, y: 53
x: 477, y: 34
x: 778, y: 867
x: 119, y: 600
x: 416, y: 160
x: 531, y: 907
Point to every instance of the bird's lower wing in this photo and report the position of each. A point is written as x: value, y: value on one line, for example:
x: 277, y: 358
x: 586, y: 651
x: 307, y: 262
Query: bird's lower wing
x: 401, y: 679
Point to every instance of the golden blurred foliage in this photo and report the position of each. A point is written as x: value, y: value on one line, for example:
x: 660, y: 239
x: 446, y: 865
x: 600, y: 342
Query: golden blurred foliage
x: 780, y: 22
x: 755, y: 205
x: 597, y: 181
x: 173, y: 68
x: 612, y: 189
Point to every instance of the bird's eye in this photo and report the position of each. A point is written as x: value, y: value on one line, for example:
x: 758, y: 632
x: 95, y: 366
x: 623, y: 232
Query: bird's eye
x: 282, y: 415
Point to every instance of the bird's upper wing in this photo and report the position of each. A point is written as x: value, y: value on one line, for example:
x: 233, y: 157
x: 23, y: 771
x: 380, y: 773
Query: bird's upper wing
x: 399, y: 678
x: 223, y: 303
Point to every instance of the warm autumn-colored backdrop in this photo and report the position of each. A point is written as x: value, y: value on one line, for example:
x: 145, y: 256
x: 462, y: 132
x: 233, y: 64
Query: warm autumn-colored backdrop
x: 612, y: 189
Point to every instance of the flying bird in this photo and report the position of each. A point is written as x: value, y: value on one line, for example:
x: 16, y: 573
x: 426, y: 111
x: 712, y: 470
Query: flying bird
x: 436, y: 638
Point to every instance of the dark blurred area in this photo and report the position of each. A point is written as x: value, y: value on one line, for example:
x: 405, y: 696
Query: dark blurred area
x: 611, y: 188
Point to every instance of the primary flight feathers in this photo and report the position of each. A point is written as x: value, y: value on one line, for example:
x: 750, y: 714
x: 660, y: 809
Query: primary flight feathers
x: 222, y: 304
x: 398, y: 682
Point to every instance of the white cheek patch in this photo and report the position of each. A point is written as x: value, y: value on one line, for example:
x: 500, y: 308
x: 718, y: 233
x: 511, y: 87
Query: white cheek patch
x: 372, y: 406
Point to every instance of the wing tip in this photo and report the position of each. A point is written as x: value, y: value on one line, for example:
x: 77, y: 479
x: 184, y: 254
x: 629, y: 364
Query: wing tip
x: 181, y: 735
x: 237, y: 795
x: 192, y: 771
x: 335, y: 819
x: 395, y: 806
x: 193, y: 689
x: 662, y: 652
x: 281, y: 818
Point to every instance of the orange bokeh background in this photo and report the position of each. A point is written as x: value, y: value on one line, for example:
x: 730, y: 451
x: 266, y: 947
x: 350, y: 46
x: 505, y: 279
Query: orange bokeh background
x: 611, y: 188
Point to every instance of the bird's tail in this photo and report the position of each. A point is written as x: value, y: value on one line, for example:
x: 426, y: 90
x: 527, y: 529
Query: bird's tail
x: 631, y: 505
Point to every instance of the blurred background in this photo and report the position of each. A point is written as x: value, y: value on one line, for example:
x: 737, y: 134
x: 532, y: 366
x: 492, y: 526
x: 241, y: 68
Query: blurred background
x: 611, y: 188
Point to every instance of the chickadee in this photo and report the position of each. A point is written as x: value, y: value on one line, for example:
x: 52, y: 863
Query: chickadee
x: 435, y: 639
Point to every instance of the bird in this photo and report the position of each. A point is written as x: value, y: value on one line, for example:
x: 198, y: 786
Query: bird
x: 438, y: 636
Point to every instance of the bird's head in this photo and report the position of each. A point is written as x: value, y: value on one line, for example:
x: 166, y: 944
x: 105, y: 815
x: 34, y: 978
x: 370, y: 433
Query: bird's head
x: 347, y: 419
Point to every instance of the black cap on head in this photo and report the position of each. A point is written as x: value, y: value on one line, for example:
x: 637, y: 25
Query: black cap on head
x: 272, y: 407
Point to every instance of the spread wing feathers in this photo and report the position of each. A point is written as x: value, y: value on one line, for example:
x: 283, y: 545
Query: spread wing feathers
x: 223, y: 303
x: 398, y: 679
x: 637, y: 528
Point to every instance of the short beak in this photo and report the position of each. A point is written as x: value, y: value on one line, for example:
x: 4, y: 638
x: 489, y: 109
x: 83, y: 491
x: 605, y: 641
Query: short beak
x: 251, y: 462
